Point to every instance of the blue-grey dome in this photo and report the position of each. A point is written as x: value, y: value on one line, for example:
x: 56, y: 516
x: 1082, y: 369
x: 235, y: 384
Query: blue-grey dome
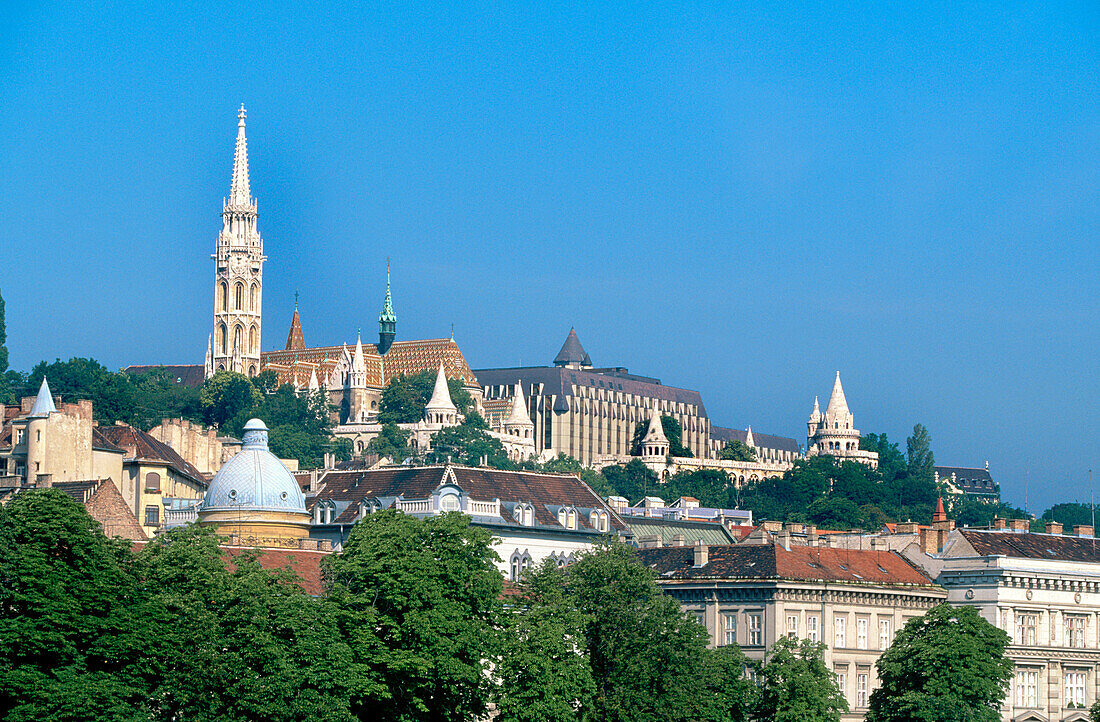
x: 254, y: 479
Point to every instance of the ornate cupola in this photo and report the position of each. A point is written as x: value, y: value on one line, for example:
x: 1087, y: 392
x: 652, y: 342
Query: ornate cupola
x: 387, y: 320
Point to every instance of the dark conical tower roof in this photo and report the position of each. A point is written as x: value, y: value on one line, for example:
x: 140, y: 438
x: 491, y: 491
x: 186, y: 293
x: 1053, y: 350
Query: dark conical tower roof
x: 572, y: 353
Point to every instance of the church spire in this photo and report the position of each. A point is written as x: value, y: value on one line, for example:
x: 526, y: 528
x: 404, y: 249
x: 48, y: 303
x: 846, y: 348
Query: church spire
x: 519, y: 416
x: 387, y: 320
x: 838, y: 405
x: 239, y: 192
x: 294, y: 339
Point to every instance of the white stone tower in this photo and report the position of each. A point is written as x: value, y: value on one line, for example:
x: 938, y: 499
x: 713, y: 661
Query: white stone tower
x: 238, y: 274
x: 834, y: 432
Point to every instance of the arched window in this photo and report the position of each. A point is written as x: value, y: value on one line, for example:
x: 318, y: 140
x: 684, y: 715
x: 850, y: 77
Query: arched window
x: 252, y: 369
x: 238, y: 297
x: 254, y: 298
x: 223, y: 339
x: 152, y: 482
x: 223, y: 296
x: 254, y: 340
x: 236, y: 338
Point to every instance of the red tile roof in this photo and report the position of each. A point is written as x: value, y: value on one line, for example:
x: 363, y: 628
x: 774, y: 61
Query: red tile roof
x: 772, y: 561
x: 1032, y: 546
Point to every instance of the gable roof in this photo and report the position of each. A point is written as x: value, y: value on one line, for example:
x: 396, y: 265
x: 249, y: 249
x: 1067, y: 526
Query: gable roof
x: 143, y: 447
x: 773, y: 561
x: 545, y: 492
x: 1032, y: 546
x: 105, y: 504
x: 973, y: 480
x: 764, y: 441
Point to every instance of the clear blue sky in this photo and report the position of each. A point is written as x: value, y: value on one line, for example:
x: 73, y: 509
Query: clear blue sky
x: 737, y: 201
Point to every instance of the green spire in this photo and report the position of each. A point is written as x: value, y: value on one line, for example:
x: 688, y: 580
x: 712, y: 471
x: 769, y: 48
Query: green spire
x: 388, y: 315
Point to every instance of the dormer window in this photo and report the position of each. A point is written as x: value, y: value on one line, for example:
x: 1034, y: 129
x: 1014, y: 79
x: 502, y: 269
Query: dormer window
x: 598, y: 520
x: 567, y: 517
x: 449, y: 502
x: 524, y: 514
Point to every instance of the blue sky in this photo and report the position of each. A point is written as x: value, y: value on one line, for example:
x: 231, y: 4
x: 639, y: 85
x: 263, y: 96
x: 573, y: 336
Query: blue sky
x: 740, y: 201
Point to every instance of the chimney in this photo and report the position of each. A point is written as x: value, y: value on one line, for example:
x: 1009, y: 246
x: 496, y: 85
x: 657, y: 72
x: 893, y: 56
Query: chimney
x: 1082, y: 530
x: 649, y: 541
x: 783, y: 538
x: 330, y: 460
x: 878, y: 543
x: 906, y: 527
x: 812, y: 538
x: 998, y: 523
x: 1053, y: 527
x: 701, y: 554
x: 794, y: 527
x: 677, y: 540
x: 930, y: 541
x: 772, y: 526
x: 1018, y: 525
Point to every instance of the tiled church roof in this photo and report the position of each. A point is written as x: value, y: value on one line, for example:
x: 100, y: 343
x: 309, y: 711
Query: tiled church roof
x: 404, y: 357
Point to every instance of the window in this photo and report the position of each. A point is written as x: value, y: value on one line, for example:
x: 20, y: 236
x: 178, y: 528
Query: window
x: 755, y: 629
x: 839, y: 632
x: 1027, y: 625
x: 792, y: 626
x: 884, y: 634
x: 152, y: 515
x: 19, y: 436
x: 152, y: 481
x: 861, y: 689
x: 811, y: 628
x: 1075, y: 631
x: 729, y: 628
x: 449, y: 502
x: 861, y: 634
x: 1027, y: 687
x: 1075, y: 688
x: 842, y: 680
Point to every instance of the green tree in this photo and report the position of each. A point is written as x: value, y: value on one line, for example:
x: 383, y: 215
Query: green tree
x: 469, y: 444
x: 891, y: 462
x: 737, y: 450
x: 391, y: 441
x: 645, y: 654
x: 711, y: 487
x: 404, y: 397
x: 1070, y: 514
x: 246, y: 644
x: 228, y: 395
x: 157, y: 396
x: 919, y: 458
x: 73, y: 621
x: 544, y: 672
x: 834, y: 512
x: 419, y: 603
x: 632, y: 481
x: 946, y: 666
x: 797, y: 686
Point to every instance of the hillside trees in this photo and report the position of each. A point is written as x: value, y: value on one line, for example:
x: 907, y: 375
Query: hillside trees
x: 404, y: 397
x: 797, y: 686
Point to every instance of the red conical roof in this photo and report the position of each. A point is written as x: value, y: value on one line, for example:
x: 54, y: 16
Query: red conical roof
x: 940, y: 514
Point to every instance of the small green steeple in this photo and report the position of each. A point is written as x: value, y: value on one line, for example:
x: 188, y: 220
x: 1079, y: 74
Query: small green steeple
x: 387, y: 320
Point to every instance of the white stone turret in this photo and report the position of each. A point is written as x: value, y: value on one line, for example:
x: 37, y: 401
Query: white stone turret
x: 357, y: 377
x: 834, y: 432
x: 43, y: 403
x: 441, y: 410
x: 655, y: 443
x: 238, y: 273
x: 519, y: 422
x: 314, y: 385
x: 749, y: 441
x: 837, y: 414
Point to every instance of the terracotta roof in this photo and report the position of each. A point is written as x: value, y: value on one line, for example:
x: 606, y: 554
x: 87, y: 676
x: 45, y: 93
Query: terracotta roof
x: 143, y: 447
x: 1032, y: 546
x: 766, y: 441
x: 545, y: 492
x: 106, y: 505
x: 100, y: 441
x: 306, y: 565
x: 404, y: 357
x: 188, y: 375
x: 772, y: 561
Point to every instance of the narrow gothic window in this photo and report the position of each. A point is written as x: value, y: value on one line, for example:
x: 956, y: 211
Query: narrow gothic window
x: 223, y: 296
x: 222, y: 338
x: 252, y: 298
x: 239, y: 297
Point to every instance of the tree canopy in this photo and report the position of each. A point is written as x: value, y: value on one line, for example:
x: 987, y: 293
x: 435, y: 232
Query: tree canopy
x: 946, y: 666
x: 797, y: 686
x: 404, y: 397
x: 469, y: 443
x: 737, y: 450
x: 672, y: 430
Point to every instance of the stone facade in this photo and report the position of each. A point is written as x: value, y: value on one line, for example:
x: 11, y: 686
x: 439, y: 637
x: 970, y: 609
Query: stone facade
x: 238, y: 275
x: 753, y: 594
x: 105, y: 504
x: 199, y: 446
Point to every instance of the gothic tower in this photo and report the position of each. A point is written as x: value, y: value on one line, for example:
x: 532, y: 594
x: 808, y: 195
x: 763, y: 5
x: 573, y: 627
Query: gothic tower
x: 238, y: 274
x: 387, y: 321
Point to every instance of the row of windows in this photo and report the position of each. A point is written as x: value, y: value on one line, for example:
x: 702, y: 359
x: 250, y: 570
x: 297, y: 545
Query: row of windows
x: 1027, y: 629
x: 1026, y: 684
x: 238, y: 297
x: 863, y: 678
x: 221, y: 341
x: 812, y: 631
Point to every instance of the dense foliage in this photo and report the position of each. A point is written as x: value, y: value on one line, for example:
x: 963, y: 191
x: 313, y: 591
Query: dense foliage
x: 797, y: 686
x: 599, y: 641
x: 946, y: 666
x: 673, y: 432
x: 469, y: 443
x: 404, y: 397
x: 737, y: 450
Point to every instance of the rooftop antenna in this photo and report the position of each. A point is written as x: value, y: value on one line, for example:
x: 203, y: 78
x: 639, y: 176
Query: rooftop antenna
x: 1027, y: 480
x: 1092, y: 503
